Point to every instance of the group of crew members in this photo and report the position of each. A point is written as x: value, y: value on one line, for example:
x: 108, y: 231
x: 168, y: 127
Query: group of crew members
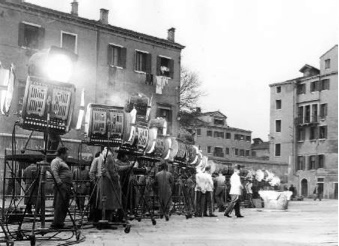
x: 110, y: 185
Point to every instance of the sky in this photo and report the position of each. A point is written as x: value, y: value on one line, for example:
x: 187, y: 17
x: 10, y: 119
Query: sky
x: 237, y: 47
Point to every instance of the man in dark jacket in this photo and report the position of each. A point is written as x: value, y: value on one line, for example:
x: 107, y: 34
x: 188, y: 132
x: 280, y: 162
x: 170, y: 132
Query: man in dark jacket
x: 62, y: 187
x: 164, y: 181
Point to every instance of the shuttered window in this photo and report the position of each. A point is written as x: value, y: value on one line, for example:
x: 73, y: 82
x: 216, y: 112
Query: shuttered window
x: 31, y: 36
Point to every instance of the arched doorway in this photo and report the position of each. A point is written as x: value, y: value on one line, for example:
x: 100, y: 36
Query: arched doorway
x: 304, y: 188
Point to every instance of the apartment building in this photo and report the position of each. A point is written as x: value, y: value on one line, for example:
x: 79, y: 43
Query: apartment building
x: 304, y: 126
x: 113, y: 63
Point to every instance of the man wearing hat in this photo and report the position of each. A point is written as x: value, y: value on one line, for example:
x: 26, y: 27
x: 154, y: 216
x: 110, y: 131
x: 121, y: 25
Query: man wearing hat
x: 164, y: 181
x: 235, y: 192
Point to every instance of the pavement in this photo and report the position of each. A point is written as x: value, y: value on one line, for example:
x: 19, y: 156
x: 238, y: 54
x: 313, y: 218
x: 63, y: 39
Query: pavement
x: 305, y: 222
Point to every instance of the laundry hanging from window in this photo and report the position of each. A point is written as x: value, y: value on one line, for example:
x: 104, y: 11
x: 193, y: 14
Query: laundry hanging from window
x: 161, y: 81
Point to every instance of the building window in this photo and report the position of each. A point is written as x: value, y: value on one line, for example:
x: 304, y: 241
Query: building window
x: 313, y: 132
x: 227, y: 151
x: 236, y: 137
x: 307, y: 114
x: 301, y: 163
x: 31, y: 35
x: 312, y: 162
x: 277, y: 150
x: 247, y: 153
x: 209, y: 149
x: 236, y: 151
x: 322, y: 132
x: 278, y: 89
x: 228, y: 135
x: 116, y: 56
x: 301, y: 89
x: 69, y: 41
x: 278, y: 126
x: 143, y: 61
x: 218, y: 134
x: 314, y: 86
x: 165, y: 66
x: 314, y: 113
x: 219, y: 121
x: 323, y: 110
x: 218, y: 152
x: 209, y: 133
x: 198, y: 132
x: 278, y: 104
x: 301, y: 115
x: 242, y: 152
x: 301, y: 134
x: 327, y: 63
x: 324, y: 84
x: 248, y: 138
x: 321, y: 161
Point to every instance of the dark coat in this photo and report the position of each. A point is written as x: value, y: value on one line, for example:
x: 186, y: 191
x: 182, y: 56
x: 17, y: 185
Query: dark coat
x: 30, y: 177
x: 164, y: 181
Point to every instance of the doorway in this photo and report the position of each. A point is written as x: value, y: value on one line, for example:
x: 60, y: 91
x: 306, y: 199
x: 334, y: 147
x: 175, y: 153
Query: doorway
x: 304, y: 188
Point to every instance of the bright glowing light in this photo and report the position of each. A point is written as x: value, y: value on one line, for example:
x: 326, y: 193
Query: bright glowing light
x: 59, y: 67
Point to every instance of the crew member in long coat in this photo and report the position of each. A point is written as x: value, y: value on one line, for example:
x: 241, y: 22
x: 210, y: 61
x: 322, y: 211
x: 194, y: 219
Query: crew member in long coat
x: 105, y: 171
x: 164, y: 181
x: 30, y: 177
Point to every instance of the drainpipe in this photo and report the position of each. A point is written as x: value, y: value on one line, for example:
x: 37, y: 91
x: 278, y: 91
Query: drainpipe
x: 97, y: 65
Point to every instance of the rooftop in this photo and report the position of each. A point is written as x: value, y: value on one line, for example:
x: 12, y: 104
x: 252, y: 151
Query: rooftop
x: 91, y: 23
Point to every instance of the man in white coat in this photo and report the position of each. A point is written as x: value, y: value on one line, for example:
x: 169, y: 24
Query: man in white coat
x: 235, y: 192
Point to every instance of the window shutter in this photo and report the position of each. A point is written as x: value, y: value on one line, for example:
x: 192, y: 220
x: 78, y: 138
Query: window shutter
x: 148, y: 63
x: 327, y: 84
x: 158, y: 65
x: 135, y: 60
x: 21, y: 39
x: 123, y: 57
x: 41, y: 37
x: 171, y: 68
x: 304, y: 163
x: 316, y: 161
x: 109, y: 54
x: 323, y: 165
x: 325, y: 110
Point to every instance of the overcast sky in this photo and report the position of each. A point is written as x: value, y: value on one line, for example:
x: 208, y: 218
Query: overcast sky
x: 237, y: 47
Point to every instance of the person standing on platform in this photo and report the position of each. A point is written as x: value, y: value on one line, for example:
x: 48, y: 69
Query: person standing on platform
x: 62, y: 175
x: 164, y: 181
x: 235, y: 192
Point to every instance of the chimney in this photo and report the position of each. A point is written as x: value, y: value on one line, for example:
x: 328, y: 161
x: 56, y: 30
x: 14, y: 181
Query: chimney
x: 104, y: 16
x: 170, y: 34
x: 75, y: 5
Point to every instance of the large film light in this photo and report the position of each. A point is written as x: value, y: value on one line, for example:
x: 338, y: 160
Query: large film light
x: 59, y: 67
x: 47, y: 104
x: 104, y: 124
x: 55, y: 64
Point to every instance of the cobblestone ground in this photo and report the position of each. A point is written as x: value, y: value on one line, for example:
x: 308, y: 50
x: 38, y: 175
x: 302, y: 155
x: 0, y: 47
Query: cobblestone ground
x: 304, y: 223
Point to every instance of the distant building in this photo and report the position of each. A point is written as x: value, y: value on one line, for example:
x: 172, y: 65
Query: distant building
x: 216, y: 138
x: 260, y: 149
x: 304, y: 126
